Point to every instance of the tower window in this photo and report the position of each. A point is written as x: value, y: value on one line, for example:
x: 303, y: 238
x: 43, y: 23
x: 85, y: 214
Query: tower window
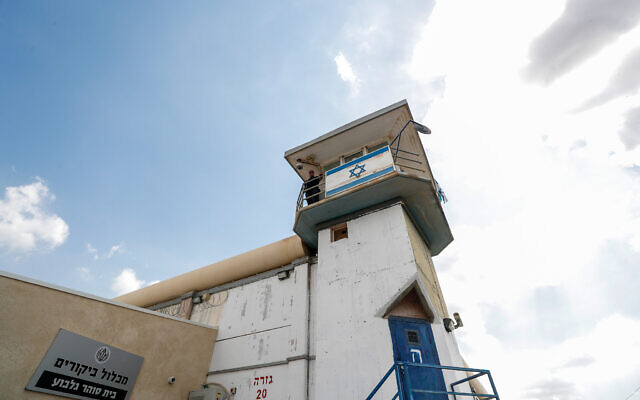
x: 339, y: 232
x: 332, y: 165
x: 412, y: 337
x: 353, y: 156
x: 371, y: 149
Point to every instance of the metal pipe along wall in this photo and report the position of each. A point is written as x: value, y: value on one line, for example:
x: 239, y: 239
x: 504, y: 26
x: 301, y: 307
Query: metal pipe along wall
x: 253, y: 262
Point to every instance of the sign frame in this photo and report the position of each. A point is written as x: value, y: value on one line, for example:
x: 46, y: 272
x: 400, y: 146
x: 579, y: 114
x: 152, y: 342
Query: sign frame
x: 79, y: 367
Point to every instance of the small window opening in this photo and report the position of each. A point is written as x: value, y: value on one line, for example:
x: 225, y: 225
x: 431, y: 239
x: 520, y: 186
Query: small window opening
x: 412, y: 337
x: 353, y: 156
x: 339, y: 232
x: 332, y: 165
x: 371, y: 149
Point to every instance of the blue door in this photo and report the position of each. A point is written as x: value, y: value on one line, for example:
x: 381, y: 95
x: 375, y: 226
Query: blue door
x: 413, y: 342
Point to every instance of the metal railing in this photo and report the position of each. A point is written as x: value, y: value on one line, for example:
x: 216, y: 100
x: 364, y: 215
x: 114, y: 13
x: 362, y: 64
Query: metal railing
x: 406, y: 155
x: 405, y: 160
x: 309, y: 195
x: 401, y: 158
x: 403, y: 382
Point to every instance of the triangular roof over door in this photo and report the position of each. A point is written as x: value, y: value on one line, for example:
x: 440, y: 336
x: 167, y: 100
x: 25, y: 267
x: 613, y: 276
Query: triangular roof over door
x: 410, y: 301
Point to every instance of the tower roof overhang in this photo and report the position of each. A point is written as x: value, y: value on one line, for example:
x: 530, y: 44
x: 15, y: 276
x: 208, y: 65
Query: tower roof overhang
x: 380, y: 125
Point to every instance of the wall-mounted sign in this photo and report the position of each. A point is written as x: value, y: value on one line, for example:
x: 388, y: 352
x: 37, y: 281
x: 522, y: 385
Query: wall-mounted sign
x: 358, y: 171
x: 82, y: 368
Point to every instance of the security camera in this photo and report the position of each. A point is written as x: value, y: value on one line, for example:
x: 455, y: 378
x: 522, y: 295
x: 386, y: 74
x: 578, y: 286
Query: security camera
x: 172, y: 379
x: 449, y: 325
x: 299, y: 166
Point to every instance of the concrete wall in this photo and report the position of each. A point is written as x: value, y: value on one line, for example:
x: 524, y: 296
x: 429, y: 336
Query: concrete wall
x: 320, y: 333
x: 355, y: 279
x: 31, y: 314
x: 263, y: 336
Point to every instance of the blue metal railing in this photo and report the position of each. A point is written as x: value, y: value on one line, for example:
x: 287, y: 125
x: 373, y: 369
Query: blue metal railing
x: 401, y: 369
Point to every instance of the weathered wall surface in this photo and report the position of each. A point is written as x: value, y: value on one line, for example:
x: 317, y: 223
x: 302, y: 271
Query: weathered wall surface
x: 31, y: 316
x: 209, y: 311
x: 354, y: 279
x: 262, y: 333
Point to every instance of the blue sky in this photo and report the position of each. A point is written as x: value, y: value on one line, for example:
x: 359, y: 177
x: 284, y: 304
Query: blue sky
x: 142, y: 140
x: 162, y: 128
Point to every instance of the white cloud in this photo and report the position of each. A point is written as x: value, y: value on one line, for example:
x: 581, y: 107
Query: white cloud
x: 84, y: 273
x: 126, y: 282
x: 115, y: 249
x: 542, y: 201
x: 346, y: 72
x: 25, y: 224
x: 584, y: 28
x: 624, y: 82
x: 92, y: 250
x: 630, y: 132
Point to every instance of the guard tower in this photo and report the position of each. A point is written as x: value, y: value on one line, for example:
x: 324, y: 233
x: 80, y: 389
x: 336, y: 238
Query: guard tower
x: 350, y: 307
x: 369, y: 206
x: 371, y: 161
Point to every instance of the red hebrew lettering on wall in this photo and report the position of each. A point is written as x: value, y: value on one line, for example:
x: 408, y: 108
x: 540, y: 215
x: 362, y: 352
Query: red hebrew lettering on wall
x: 260, y: 381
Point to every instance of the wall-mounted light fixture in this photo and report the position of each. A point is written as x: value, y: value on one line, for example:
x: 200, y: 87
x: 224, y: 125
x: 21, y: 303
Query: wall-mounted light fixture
x: 421, y: 128
x: 417, y: 126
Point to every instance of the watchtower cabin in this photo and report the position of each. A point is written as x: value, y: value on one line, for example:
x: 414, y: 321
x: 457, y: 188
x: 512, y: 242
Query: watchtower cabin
x: 348, y: 308
x: 369, y: 162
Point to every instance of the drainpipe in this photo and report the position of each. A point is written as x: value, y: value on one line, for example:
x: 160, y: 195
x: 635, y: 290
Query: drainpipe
x: 308, y: 326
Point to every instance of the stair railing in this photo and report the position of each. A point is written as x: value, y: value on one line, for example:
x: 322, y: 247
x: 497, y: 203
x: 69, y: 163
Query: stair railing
x: 401, y: 370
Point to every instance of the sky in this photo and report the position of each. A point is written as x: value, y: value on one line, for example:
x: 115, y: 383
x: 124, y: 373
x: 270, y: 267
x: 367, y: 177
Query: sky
x: 142, y: 140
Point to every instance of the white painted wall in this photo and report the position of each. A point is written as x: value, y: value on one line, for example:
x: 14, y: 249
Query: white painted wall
x: 354, y: 279
x: 263, y: 333
x: 330, y: 310
x: 280, y: 382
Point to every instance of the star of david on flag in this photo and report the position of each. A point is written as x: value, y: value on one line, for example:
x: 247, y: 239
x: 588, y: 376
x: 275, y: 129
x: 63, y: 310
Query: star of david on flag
x: 359, y: 168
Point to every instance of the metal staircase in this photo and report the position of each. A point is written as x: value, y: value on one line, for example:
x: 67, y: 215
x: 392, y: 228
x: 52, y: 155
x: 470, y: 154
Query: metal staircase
x: 404, y: 383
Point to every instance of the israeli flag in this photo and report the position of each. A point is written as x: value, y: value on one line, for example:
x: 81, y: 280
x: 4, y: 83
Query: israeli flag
x: 440, y: 192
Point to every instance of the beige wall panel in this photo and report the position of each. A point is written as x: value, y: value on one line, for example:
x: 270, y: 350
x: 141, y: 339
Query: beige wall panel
x: 31, y: 316
x: 427, y: 271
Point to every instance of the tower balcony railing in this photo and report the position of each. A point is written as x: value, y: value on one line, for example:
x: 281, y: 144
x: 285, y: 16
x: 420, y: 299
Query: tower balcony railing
x: 407, y: 389
x: 400, y: 160
x: 397, y: 172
